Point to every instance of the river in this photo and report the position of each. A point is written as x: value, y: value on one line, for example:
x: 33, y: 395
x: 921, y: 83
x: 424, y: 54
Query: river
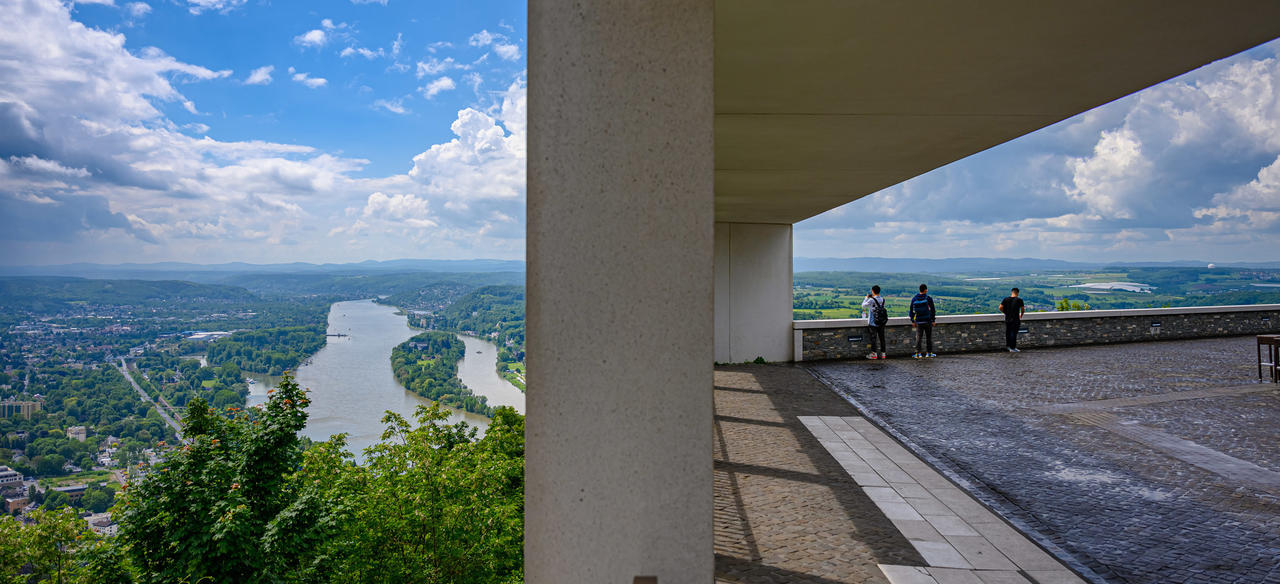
x: 352, y: 384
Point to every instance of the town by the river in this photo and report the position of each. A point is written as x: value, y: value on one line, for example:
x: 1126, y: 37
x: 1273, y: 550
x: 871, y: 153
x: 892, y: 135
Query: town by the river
x: 352, y: 385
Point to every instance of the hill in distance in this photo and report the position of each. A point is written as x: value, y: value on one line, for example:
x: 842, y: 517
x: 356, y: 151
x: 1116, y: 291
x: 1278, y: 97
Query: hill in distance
x: 988, y: 265
x: 219, y: 272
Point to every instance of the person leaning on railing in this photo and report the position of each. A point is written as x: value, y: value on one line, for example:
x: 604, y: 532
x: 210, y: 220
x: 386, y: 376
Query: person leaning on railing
x: 1013, y: 309
x: 923, y: 315
x: 877, y: 318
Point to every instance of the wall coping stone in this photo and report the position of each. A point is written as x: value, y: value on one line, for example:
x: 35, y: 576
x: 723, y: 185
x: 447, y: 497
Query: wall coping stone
x: 997, y: 317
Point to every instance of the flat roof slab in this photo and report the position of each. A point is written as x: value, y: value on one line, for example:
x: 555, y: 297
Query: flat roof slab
x: 819, y: 103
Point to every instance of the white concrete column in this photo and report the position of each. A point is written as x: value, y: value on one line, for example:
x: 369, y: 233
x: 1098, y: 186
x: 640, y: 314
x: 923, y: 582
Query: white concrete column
x: 620, y: 311
x: 753, y: 292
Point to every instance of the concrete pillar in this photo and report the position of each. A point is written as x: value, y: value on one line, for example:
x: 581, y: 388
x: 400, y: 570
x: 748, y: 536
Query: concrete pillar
x: 753, y: 292
x: 620, y: 311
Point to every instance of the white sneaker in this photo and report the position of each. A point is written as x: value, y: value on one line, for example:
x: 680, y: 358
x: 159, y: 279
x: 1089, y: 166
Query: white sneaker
x: 883, y: 356
x: 872, y: 356
x: 931, y: 355
x: 1014, y: 350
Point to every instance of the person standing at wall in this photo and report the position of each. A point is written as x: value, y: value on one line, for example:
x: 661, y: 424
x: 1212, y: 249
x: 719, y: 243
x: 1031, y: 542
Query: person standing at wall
x: 923, y: 316
x: 1013, y: 309
x: 877, y: 318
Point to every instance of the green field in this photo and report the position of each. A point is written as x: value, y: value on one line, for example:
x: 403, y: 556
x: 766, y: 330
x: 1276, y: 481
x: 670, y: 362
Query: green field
x: 832, y: 295
x: 88, y: 477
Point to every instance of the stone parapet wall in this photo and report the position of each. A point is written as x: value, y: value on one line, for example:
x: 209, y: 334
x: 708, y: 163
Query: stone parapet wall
x: 850, y: 338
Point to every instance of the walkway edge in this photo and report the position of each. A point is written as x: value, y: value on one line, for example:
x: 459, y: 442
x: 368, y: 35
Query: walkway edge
x: 972, y: 487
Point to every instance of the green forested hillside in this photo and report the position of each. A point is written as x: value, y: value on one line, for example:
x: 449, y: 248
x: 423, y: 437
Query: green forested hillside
x: 495, y: 312
x: 821, y: 295
x: 271, y: 351
x: 357, y: 286
x: 53, y: 294
x: 432, y: 297
x: 246, y: 500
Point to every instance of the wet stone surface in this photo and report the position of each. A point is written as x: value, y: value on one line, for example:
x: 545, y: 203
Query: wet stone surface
x: 1131, y: 512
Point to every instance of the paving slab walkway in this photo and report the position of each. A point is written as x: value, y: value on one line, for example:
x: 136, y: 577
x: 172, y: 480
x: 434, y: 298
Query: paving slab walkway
x: 807, y: 491
x: 962, y: 541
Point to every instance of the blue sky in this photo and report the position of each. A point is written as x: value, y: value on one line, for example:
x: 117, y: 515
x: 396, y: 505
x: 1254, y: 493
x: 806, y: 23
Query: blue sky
x: 346, y: 130
x: 1186, y: 170
x: 225, y: 130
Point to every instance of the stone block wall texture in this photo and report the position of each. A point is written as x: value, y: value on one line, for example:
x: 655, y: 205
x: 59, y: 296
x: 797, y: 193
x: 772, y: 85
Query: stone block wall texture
x: 962, y: 334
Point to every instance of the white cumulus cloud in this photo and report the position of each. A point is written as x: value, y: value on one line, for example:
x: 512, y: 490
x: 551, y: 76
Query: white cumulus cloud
x: 483, y: 38
x: 201, y: 6
x: 1116, y: 172
x: 508, y: 52
x: 314, y: 38
x: 436, y: 86
x: 260, y: 76
x: 433, y: 66
x: 40, y: 165
x: 307, y: 79
x: 395, y: 106
x: 487, y: 158
x: 363, y: 52
x: 137, y: 9
x: 102, y: 163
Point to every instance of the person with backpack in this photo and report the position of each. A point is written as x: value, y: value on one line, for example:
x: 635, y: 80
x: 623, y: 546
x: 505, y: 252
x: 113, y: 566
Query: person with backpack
x: 923, y: 316
x: 877, y: 318
x: 1013, y: 309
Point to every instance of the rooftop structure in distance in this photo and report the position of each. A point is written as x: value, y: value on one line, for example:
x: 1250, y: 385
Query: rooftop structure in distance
x: 672, y: 145
x: 78, y: 433
x: 9, y: 477
x: 204, y: 336
x: 73, y: 492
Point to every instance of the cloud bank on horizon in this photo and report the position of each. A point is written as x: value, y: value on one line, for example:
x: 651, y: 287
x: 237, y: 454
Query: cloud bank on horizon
x: 223, y: 130
x: 1188, y: 169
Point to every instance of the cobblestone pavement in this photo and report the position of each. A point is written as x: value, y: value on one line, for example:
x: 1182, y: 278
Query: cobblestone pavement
x: 1147, y: 501
x: 785, y: 510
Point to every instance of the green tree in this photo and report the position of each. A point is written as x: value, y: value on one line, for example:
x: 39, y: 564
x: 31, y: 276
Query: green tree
x: 56, y: 500
x: 50, y: 464
x: 58, y: 547
x: 205, y: 515
x: 242, y: 502
x: 96, y: 500
x: 1066, y: 304
x: 431, y: 504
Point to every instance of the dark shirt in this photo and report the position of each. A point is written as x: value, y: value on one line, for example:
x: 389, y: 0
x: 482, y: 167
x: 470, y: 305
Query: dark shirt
x: 1012, y: 308
x: 921, y: 310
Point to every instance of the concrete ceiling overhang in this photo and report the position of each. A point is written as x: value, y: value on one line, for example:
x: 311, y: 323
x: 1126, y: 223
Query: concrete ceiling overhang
x: 821, y: 102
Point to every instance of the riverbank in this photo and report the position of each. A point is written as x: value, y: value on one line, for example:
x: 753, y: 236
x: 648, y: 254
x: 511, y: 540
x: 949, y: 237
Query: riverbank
x: 352, y: 383
x: 427, y: 364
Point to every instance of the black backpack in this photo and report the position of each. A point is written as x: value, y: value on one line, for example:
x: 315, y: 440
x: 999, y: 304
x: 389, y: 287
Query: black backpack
x: 879, y: 314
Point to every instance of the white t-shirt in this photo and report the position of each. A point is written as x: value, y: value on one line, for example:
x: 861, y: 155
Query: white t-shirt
x: 866, y: 307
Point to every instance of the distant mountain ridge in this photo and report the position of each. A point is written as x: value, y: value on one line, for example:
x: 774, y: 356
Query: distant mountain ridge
x: 219, y: 272
x: 207, y: 272
x: 967, y: 265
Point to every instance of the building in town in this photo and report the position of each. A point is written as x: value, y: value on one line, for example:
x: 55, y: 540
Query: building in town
x: 9, y: 408
x: 9, y: 477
